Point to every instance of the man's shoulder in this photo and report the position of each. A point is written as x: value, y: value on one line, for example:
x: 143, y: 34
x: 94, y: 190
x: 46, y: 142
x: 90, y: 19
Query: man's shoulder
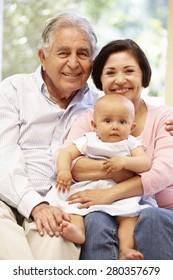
x: 92, y: 93
x: 17, y: 79
x: 20, y: 78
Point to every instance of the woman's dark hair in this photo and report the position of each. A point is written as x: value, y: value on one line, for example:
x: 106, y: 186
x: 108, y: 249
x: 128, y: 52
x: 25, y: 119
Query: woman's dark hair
x: 120, y: 46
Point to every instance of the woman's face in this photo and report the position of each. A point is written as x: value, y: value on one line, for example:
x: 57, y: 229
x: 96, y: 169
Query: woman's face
x: 122, y: 75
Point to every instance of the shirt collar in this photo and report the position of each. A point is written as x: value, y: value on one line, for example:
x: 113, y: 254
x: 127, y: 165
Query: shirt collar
x: 43, y: 88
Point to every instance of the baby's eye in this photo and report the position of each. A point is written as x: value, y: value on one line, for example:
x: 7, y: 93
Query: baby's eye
x: 107, y: 120
x: 122, y: 121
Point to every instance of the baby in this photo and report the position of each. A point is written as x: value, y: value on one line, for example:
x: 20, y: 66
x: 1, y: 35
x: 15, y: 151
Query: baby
x: 111, y: 140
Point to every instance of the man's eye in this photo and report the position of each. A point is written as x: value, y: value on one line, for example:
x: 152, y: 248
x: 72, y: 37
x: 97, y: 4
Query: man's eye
x: 83, y: 55
x: 63, y: 54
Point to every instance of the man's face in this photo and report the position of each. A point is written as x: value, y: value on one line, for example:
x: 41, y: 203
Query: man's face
x: 68, y: 63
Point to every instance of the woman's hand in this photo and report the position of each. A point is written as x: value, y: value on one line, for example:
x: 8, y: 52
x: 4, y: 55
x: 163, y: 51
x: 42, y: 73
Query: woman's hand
x: 121, y: 176
x: 169, y: 126
x: 88, y: 198
x: 48, y: 218
x: 128, y: 188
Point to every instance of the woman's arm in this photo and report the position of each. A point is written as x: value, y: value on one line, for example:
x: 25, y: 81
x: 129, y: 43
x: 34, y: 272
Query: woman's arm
x: 160, y: 148
x: 91, y: 169
x: 125, y: 189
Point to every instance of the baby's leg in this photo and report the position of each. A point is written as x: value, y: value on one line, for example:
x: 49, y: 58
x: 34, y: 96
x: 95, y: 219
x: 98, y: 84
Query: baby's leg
x: 73, y: 230
x: 126, y: 239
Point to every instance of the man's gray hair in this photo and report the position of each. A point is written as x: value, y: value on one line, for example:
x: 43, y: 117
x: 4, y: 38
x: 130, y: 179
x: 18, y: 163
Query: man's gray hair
x: 67, y: 19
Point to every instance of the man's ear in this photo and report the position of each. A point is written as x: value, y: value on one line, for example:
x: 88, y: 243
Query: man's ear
x: 93, y: 124
x: 41, y: 55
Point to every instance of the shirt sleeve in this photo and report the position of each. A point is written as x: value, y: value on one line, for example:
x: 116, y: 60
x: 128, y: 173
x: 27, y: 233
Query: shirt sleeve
x: 134, y: 143
x: 81, y: 144
x: 16, y: 190
x: 159, y: 147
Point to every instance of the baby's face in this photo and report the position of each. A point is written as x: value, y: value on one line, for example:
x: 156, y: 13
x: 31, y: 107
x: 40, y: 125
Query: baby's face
x: 113, y: 122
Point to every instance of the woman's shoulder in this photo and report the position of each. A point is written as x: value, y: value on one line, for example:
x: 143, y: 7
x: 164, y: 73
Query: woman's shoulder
x: 157, y: 117
x: 161, y: 112
x: 159, y: 108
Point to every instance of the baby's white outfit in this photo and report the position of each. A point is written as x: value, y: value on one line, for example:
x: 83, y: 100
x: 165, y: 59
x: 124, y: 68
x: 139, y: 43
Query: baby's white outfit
x: 91, y: 146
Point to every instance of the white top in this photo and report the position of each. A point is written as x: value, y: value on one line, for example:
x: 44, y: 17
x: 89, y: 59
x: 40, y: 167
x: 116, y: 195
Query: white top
x: 91, y: 146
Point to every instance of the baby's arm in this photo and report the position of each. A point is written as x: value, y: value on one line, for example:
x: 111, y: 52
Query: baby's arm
x: 63, y: 164
x: 137, y: 162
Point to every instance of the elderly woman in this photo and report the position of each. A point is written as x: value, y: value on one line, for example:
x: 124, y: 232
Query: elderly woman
x: 121, y: 67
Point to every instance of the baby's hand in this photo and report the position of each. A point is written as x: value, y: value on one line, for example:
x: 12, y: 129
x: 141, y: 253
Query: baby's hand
x: 113, y: 164
x: 63, y: 181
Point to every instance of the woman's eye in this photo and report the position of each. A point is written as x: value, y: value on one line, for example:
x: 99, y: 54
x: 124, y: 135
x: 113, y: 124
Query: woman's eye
x: 129, y: 71
x: 110, y: 73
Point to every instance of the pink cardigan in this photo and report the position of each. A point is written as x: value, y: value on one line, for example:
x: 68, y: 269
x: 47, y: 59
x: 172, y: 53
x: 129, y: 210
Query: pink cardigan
x: 159, y: 147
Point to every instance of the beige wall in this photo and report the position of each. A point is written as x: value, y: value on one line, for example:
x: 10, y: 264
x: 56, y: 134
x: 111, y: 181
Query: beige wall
x: 169, y: 65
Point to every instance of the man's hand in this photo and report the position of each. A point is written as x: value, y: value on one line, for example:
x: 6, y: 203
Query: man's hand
x: 48, y: 218
x: 169, y: 127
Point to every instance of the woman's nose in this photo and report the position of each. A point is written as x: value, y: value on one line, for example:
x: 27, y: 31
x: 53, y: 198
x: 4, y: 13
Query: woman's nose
x: 120, y: 79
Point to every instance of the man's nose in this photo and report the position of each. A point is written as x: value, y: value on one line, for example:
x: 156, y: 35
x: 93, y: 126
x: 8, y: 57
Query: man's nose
x: 73, y: 61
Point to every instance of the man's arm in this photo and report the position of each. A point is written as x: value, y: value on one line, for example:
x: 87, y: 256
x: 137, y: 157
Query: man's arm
x: 15, y: 188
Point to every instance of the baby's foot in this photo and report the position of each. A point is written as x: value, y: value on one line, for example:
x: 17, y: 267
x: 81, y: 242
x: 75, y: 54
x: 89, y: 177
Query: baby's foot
x: 72, y: 232
x: 130, y: 254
